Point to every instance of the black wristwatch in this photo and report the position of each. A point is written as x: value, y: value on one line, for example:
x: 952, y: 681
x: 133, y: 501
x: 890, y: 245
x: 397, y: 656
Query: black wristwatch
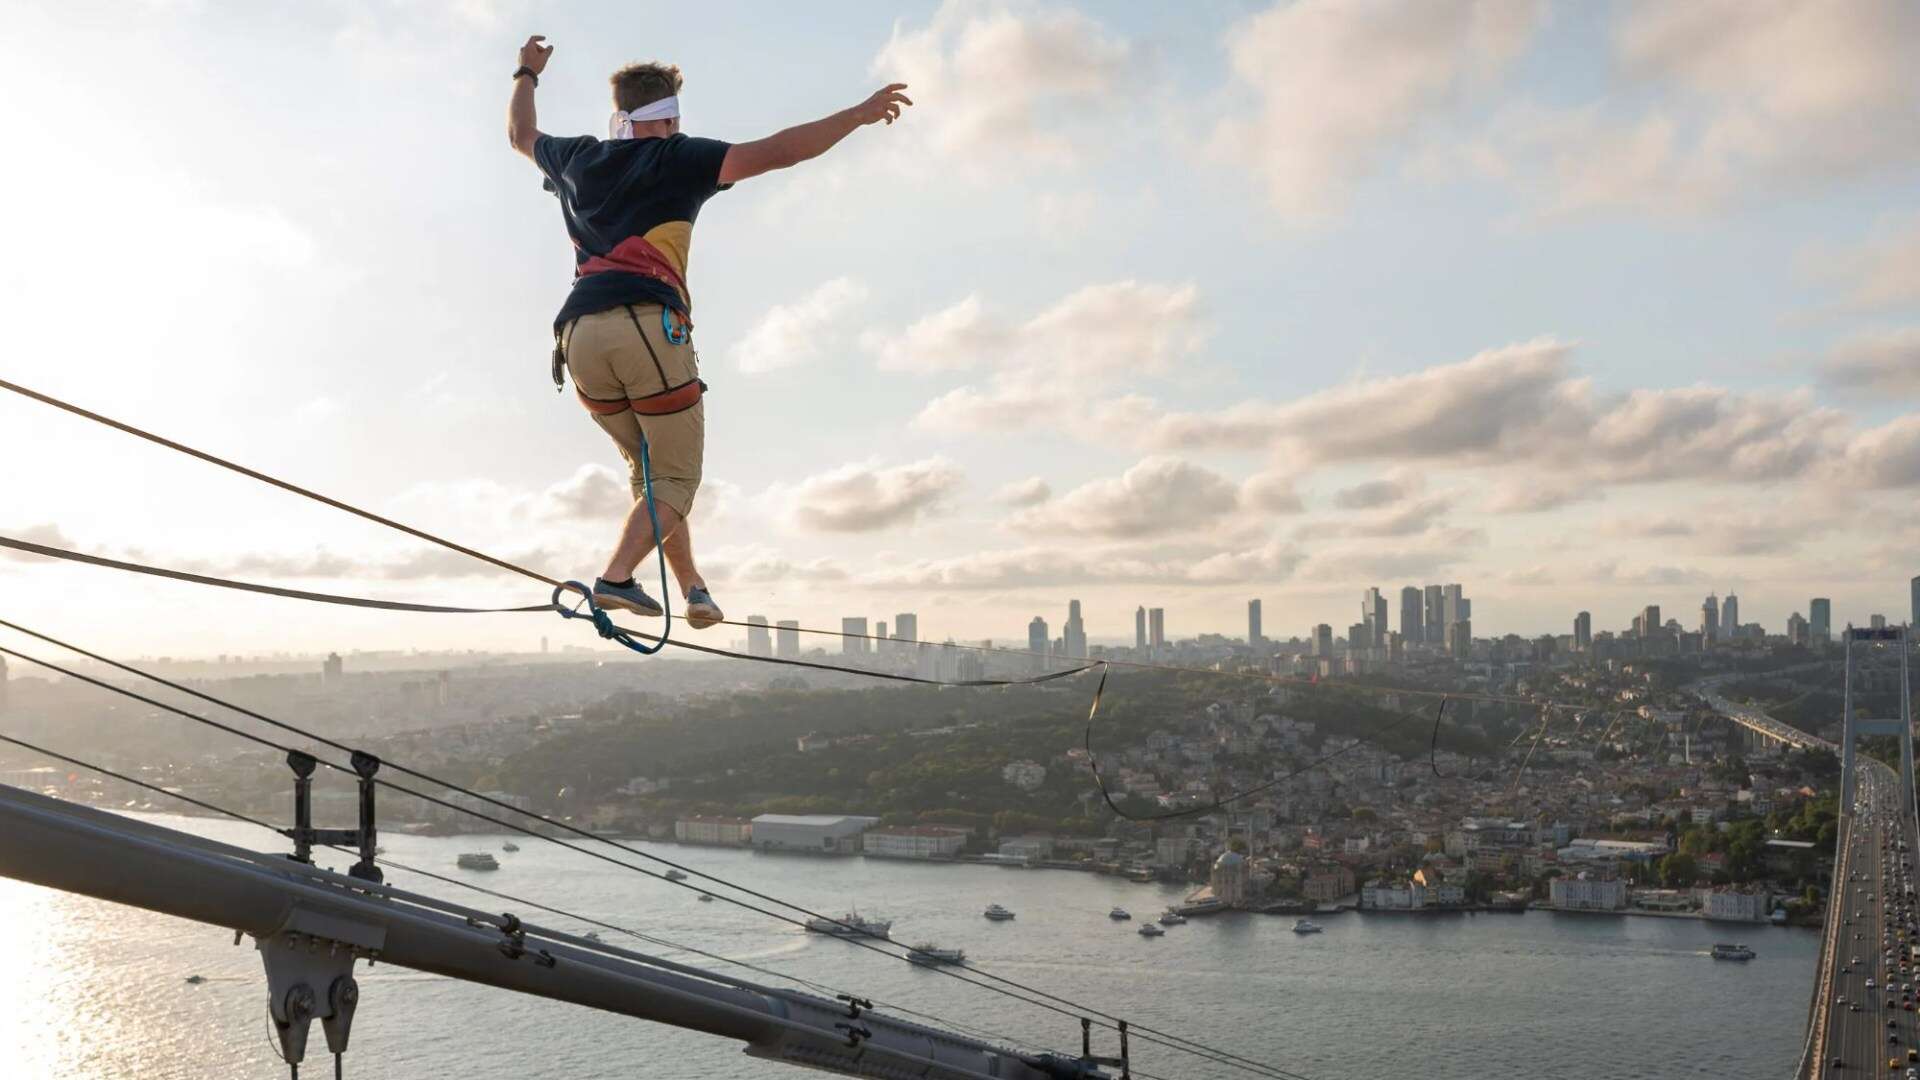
x: 528, y: 72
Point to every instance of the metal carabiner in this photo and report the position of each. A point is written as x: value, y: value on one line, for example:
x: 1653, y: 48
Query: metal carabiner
x: 676, y: 335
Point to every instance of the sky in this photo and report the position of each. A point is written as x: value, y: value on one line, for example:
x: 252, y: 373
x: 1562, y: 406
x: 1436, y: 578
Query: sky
x: 1582, y: 306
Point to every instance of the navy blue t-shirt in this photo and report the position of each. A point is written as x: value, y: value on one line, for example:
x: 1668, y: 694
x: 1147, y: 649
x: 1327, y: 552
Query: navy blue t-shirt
x: 629, y: 206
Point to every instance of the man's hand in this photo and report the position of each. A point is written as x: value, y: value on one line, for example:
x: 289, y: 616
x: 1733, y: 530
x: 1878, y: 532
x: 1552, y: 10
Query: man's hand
x: 533, y: 55
x: 883, y: 105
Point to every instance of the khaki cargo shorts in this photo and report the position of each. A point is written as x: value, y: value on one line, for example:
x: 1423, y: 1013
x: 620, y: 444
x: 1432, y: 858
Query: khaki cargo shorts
x: 639, y: 385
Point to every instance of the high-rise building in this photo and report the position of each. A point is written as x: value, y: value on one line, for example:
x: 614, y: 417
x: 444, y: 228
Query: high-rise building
x: 1412, y: 626
x: 759, y: 640
x: 1254, y: 637
x: 1877, y: 622
x: 1074, y: 635
x: 1916, y: 603
x: 879, y: 644
x: 1037, y: 639
x: 1323, y: 640
x: 906, y: 627
x: 1583, y: 631
x: 1157, y: 628
x: 1650, y: 620
x: 1140, y: 628
x: 1359, y: 639
x: 1373, y: 612
x: 787, y: 639
x: 855, y: 641
x: 1730, y: 617
x: 1820, y: 618
x: 1710, y: 619
x: 1460, y: 639
x: 1434, y: 604
x: 1451, y: 597
x: 1798, y: 631
x: 332, y: 668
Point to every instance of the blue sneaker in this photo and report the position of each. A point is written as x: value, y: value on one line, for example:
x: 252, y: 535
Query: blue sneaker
x: 626, y: 596
x: 701, y: 611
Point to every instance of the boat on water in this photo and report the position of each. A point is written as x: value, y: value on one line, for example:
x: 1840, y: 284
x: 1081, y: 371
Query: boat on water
x: 1119, y: 914
x: 928, y: 954
x: 1210, y: 906
x: 196, y: 980
x: 1148, y: 929
x: 478, y: 860
x: 706, y: 898
x: 1172, y: 918
x: 1733, y: 952
x: 998, y: 913
x: 593, y: 935
x: 509, y: 846
x: 851, y: 925
x: 676, y: 875
x: 1306, y: 926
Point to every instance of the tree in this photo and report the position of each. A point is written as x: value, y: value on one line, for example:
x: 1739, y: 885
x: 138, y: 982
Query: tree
x: 1679, y: 870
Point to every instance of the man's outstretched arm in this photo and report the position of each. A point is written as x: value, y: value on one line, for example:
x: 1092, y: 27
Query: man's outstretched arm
x: 807, y: 141
x: 522, y: 127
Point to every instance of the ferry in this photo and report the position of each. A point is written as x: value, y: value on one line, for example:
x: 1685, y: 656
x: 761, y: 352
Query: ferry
x: 1148, y: 929
x: 1733, y: 952
x: 1306, y: 926
x: 1173, y: 918
x: 676, y: 875
x: 477, y: 860
x: 927, y: 954
x: 1119, y: 914
x: 998, y: 913
x: 851, y: 925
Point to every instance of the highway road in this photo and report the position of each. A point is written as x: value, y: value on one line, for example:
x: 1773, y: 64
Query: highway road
x: 1872, y: 1029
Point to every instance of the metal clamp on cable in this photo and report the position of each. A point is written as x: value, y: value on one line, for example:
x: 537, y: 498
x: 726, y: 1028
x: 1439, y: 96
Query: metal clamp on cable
x: 854, y: 1005
x: 855, y: 1032
x: 514, y: 945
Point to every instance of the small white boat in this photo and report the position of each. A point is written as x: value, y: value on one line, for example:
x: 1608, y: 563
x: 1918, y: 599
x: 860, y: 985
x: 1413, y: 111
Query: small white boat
x: 1173, y: 918
x: 998, y: 913
x: 928, y: 954
x: 1306, y: 926
x: 509, y: 846
x: 1733, y: 952
x: 477, y: 860
x: 1119, y: 914
x: 1148, y: 929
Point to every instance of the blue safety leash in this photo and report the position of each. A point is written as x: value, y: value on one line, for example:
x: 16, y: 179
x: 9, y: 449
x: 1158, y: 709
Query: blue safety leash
x: 602, y: 622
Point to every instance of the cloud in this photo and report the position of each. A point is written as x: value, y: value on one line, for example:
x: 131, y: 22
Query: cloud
x: 764, y: 566
x: 1880, y: 274
x: 1155, y: 497
x: 1382, y: 492
x: 1270, y: 493
x: 792, y: 334
x: 1117, y: 327
x: 864, y: 497
x: 1023, y: 493
x: 1337, y: 82
x: 1883, y: 365
x: 592, y: 493
x: 46, y: 535
x: 1004, y: 81
x: 1887, y: 456
x: 1535, y: 493
x: 1053, y: 565
x: 1743, y: 97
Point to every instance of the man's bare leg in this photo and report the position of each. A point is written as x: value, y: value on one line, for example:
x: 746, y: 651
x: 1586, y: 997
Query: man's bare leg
x: 679, y: 552
x: 636, y: 538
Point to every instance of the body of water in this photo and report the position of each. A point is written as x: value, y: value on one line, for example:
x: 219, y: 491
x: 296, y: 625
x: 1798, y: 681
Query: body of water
x: 92, y: 990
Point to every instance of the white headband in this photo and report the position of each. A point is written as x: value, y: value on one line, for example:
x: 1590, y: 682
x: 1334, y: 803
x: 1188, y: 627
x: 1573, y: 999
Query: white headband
x: 620, y: 125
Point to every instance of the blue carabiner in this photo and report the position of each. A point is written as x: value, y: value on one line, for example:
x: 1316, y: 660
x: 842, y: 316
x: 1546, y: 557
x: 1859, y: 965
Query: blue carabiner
x: 676, y: 335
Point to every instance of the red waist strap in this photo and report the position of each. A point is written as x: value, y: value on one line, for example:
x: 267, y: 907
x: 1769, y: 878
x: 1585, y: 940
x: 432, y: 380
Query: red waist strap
x: 672, y: 400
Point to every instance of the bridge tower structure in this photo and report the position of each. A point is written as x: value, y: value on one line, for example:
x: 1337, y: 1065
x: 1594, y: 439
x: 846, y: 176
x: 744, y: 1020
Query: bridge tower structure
x: 1863, y: 643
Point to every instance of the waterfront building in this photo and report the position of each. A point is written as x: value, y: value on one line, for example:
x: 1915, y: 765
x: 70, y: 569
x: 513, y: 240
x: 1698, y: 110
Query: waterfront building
x: 1583, y: 893
x: 820, y: 834
x: 1393, y: 896
x: 914, y: 842
x: 1325, y: 884
x: 1734, y: 905
x: 1030, y: 848
x: 701, y: 829
x: 1232, y: 879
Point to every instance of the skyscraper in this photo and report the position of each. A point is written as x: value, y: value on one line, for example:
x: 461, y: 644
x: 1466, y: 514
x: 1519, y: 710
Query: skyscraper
x: 1373, y: 613
x: 1412, y: 626
x: 1730, y: 617
x: 1323, y: 640
x: 1710, y: 619
x: 1359, y: 639
x: 1916, y: 602
x: 1460, y: 639
x: 1650, y: 620
x: 759, y: 641
x: 855, y: 641
x: 1157, y: 628
x: 787, y: 639
x: 1140, y: 628
x: 906, y: 627
x: 1074, y: 636
x: 1254, y: 637
x: 1583, y: 631
x: 1453, y: 605
x: 1435, y: 604
x: 1037, y: 639
x: 880, y: 636
x: 1797, y: 631
x: 1820, y: 618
